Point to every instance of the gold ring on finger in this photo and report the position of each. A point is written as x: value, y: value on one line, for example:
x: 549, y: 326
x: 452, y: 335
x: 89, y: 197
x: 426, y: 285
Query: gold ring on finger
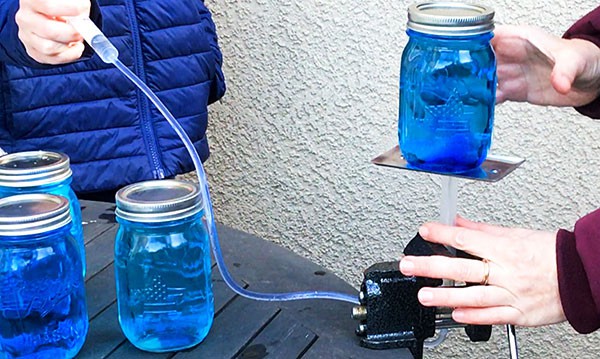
x: 486, y: 272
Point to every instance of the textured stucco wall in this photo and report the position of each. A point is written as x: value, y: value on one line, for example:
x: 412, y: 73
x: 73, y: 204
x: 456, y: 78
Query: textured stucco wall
x: 313, y: 96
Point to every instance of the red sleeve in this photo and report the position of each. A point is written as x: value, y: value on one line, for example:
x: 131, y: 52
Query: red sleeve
x: 587, y: 28
x: 578, y: 262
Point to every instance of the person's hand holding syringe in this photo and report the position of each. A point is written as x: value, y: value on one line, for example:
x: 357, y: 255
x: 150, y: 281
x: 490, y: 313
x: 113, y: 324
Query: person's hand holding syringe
x: 45, y: 33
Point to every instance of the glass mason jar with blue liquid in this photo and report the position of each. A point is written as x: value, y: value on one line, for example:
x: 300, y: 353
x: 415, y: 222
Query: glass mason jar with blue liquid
x: 447, y: 87
x: 43, y: 311
x: 162, y: 264
x: 42, y: 172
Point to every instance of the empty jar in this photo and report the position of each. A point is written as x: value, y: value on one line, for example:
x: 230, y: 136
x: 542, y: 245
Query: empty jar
x: 42, y: 172
x: 43, y: 310
x: 447, y: 86
x: 162, y: 264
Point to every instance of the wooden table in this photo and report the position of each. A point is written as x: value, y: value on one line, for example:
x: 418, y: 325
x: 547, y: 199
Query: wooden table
x: 242, y: 328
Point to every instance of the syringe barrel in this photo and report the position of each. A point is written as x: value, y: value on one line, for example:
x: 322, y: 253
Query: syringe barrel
x: 95, y: 38
x: 105, y: 49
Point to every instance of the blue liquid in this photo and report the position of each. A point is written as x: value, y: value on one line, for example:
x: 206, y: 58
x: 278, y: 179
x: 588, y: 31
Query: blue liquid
x: 164, y: 290
x: 447, y: 98
x: 60, y: 189
x: 43, y: 311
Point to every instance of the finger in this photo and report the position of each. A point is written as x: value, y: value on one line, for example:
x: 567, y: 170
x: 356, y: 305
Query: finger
x: 515, y: 90
x: 69, y: 53
x: 45, y: 47
x: 58, y: 7
x: 57, y: 31
x: 49, y: 29
x: 477, y: 243
x: 563, y: 75
x: 500, y: 97
x: 508, y: 30
x: 472, y: 297
x: 484, y: 227
x: 457, y: 269
x: 72, y: 53
x: 488, y: 316
x: 511, y: 82
x: 509, y: 71
x: 504, y: 32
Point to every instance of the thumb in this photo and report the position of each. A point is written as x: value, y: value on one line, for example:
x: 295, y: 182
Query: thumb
x: 563, y: 75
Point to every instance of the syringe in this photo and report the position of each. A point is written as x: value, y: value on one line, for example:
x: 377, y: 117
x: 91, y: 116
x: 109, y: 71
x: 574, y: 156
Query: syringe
x: 95, y: 38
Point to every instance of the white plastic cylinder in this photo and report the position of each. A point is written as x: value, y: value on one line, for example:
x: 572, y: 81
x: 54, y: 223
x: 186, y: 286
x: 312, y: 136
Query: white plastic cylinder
x: 95, y: 38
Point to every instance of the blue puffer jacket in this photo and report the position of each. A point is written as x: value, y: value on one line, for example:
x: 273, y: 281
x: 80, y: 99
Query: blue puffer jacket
x: 90, y: 111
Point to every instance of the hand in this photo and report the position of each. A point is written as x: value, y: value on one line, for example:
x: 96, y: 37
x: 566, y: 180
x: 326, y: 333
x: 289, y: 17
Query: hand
x: 543, y: 69
x: 46, y: 36
x: 522, y: 284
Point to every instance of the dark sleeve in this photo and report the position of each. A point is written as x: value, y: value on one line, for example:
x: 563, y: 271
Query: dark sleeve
x: 587, y: 28
x: 217, y: 88
x: 12, y: 50
x: 578, y: 262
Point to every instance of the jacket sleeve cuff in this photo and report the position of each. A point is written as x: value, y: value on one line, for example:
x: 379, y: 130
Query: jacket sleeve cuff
x: 575, y: 294
x: 587, y: 28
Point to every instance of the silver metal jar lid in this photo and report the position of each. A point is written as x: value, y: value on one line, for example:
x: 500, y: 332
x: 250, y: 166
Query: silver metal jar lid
x: 158, y: 201
x: 450, y: 18
x: 33, y: 168
x: 34, y: 213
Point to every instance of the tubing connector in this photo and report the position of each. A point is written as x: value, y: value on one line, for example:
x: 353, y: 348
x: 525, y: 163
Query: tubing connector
x: 359, y: 312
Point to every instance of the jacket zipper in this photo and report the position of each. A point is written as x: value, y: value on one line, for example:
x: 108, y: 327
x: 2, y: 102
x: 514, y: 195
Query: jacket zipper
x: 152, y: 148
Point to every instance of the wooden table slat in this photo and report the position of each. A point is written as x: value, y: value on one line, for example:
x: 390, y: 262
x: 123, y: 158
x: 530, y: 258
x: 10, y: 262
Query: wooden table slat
x: 101, y: 291
x: 104, y: 335
x: 91, y: 231
x: 99, y: 253
x: 322, y: 349
x: 127, y: 350
x: 226, y: 339
x: 282, y: 338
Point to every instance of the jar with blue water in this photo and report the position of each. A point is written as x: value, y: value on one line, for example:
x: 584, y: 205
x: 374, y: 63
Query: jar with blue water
x: 42, y: 172
x: 447, y: 87
x: 162, y: 265
x: 43, y: 311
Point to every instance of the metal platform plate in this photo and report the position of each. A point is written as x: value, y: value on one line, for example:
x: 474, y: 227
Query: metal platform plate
x: 493, y: 169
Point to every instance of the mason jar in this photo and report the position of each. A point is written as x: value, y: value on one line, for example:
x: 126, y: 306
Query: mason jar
x: 447, y: 86
x: 43, y: 311
x: 162, y: 264
x: 42, y: 172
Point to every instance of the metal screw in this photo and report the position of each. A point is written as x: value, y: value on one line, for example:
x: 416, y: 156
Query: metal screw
x: 361, y: 330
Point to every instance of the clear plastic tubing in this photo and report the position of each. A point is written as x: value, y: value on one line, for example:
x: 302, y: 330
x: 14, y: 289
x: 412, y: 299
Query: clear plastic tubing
x: 109, y: 54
